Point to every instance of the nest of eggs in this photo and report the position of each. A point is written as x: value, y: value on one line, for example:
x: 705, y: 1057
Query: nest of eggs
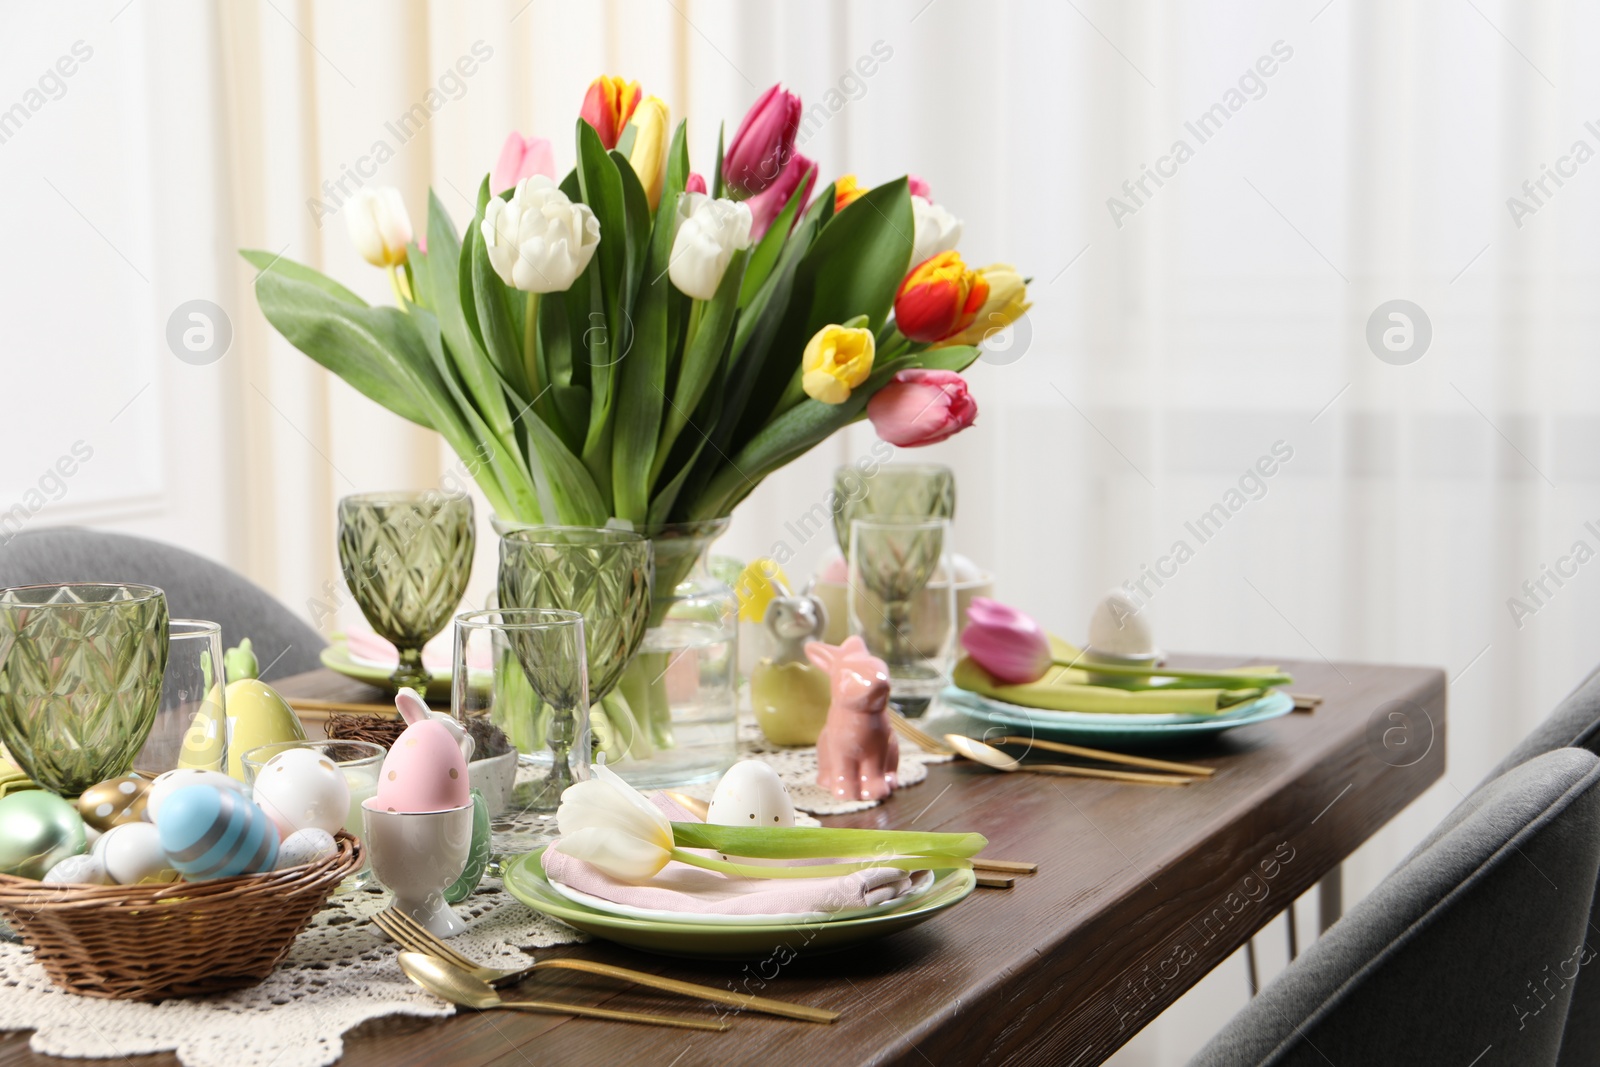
x: 151, y: 941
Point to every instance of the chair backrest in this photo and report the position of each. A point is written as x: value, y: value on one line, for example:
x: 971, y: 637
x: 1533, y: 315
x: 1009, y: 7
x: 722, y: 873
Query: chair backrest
x: 196, y: 588
x: 1466, y: 953
x: 1575, y: 723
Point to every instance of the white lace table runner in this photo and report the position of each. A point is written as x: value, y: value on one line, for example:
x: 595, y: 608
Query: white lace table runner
x: 341, y: 971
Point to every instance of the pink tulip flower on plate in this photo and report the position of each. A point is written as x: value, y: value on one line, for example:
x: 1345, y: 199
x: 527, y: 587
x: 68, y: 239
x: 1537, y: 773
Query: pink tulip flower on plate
x: 521, y: 157
x: 1007, y: 643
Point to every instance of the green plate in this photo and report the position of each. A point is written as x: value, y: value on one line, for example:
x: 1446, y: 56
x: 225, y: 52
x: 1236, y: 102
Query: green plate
x: 525, y: 879
x: 336, y: 657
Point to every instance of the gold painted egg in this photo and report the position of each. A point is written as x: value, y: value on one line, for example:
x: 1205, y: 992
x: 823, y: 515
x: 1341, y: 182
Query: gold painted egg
x: 114, y: 802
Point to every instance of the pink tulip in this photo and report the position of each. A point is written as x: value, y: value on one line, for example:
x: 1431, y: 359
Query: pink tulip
x: 761, y: 148
x: 1005, y: 642
x: 768, y: 204
x: 521, y: 157
x: 921, y: 407
x: 920, y: 187
x: 695, y: 184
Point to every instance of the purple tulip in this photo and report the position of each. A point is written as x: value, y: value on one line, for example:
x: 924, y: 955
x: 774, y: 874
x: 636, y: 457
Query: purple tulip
x: 766, y: 205
x: 764, y: 142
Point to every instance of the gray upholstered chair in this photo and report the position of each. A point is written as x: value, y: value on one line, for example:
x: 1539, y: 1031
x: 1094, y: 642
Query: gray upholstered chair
x: 1464, y: 954
x: 196, y: 588
x: 1575, y: 723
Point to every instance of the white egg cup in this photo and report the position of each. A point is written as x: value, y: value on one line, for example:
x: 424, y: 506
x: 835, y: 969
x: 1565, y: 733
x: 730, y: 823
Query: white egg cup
x: 417, y: 856
x: 1149, y: 660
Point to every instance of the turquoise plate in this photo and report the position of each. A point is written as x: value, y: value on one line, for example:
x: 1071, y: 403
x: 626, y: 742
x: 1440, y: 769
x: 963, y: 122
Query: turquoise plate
x: 525, y: 879
x: 1069, y: 727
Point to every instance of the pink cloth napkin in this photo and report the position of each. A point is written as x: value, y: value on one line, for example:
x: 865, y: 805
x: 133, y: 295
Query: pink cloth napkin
x: 696, y: 891
x: 367, y: 647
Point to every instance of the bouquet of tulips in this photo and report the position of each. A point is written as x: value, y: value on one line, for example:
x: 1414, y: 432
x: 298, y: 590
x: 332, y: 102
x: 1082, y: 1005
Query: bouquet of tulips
x: 637, y: 345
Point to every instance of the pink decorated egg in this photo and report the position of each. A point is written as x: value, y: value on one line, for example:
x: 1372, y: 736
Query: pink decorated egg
x: 424, y: 771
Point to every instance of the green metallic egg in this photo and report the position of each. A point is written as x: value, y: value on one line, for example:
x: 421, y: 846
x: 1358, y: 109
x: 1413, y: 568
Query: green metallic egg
x: 477, y: 857
x: 38, y: 830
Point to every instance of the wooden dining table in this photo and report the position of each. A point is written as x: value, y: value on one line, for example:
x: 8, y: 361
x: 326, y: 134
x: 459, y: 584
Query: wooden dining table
x: 1140, y: 891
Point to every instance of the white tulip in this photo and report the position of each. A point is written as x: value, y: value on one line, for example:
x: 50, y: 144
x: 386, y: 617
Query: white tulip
x: 379, y: 226
x: 709, y: 233
x: 608, y: 823
x: 539, y: 241
x: 936, y: 230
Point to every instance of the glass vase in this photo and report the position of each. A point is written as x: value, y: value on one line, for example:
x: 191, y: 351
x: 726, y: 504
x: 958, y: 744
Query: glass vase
x: 682, y: 687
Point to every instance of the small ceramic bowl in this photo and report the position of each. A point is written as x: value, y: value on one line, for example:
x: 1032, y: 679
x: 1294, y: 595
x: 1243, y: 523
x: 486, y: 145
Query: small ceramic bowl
x: 494, y: 777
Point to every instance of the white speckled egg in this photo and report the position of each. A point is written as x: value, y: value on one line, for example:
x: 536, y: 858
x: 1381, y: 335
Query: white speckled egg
x: 172, y: 781
x: 751, y: 794
x: 79, y: 870
x: 305, y: 846
x: 131, y: 852
x: 300, y: 788
x: 1117, y: 627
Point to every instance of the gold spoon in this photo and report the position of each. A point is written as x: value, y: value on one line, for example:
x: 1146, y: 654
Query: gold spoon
x: 990, y: 756
x: 449, y: 982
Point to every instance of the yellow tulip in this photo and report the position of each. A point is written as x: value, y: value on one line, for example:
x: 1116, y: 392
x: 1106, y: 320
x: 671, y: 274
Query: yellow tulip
x: 648, y: 157
x: 1006, y: 303
x: 846, y: 191
x: 836, y: 360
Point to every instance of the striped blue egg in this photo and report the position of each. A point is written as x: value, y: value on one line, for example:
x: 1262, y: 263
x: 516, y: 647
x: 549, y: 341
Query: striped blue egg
x: 215, y: 833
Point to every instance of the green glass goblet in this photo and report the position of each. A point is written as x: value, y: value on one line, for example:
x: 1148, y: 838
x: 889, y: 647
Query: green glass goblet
x: 896, y: 491
x: 604, y: 575
x: 80, y: 678
x: 406, y: 558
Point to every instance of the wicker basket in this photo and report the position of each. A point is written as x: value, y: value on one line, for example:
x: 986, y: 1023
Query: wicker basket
x: 149, y: 942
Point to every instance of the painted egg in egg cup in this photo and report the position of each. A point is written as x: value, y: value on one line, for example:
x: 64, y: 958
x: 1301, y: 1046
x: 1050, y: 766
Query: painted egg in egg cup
x: 417, y: 855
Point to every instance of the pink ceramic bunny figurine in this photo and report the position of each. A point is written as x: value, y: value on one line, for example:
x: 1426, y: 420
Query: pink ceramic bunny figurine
x: 857, y: 754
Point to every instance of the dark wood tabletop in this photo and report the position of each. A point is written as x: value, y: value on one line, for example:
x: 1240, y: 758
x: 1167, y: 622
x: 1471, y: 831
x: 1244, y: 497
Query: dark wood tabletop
x: 1141, y: 890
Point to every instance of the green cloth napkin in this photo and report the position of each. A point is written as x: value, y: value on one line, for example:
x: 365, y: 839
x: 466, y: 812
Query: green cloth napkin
x: 12, y: 780
x: 1068, y: 689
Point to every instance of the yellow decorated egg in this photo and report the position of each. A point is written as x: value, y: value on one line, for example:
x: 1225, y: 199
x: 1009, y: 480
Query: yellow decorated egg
x: 257, y: 716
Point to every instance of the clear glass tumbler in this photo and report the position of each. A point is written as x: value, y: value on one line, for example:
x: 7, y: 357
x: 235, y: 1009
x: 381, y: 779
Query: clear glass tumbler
x: 190, y: 730
x: 526, y: 671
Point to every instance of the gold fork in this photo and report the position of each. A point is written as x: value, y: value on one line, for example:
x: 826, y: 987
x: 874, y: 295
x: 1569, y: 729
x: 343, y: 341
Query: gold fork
x: 409, y: 935
x: 918, y: 736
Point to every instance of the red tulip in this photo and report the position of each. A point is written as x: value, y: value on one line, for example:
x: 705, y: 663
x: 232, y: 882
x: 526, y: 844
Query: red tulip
x: 695, y: 184
x: 768, y: 204
x: 921, y: 407
x: 521, y: 157
x: 608, y: 105
x: 938, y: 298
x: 1009, y: 645
x: 761, y: 148
x: 919, y: 187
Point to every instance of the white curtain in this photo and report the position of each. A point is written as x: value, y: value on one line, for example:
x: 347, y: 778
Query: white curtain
x: 1213, y: 201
